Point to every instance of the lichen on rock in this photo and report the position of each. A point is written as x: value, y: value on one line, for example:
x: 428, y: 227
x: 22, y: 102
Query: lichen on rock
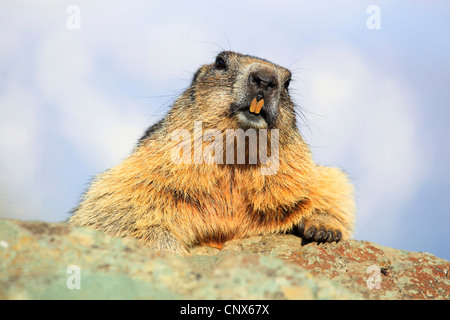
x: 41, y: 260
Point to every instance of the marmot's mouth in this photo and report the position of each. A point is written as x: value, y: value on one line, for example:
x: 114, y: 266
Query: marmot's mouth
x: 249, y: 119
x: 252, y: 115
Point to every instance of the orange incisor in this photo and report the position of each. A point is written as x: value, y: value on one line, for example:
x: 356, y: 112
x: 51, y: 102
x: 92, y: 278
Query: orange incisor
x: 256, y: 106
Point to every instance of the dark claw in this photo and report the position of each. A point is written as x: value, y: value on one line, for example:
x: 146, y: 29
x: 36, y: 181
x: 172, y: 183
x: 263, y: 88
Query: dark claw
x: 337, y: 236
x: 310, y: 233
x: 329, y: 236
x: 320, y: 234
x: 301, y: 229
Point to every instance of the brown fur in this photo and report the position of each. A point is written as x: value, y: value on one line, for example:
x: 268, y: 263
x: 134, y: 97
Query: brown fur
x: 173, y: 207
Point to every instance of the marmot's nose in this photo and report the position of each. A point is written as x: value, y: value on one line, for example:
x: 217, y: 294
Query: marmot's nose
x: 263, y: 81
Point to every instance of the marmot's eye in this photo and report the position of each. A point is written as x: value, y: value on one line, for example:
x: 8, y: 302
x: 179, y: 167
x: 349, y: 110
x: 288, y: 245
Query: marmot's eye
x: 287, y: 83
x: 220, y: 63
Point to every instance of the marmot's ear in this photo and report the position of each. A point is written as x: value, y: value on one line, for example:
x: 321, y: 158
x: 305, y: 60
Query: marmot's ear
x: 220, y: 63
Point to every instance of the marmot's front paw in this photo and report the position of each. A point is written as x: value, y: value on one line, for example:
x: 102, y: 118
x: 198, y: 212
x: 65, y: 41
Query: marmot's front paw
x: 320, y: 228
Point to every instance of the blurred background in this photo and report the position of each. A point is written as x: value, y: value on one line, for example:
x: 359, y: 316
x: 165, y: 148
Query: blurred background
x: 80, y: 81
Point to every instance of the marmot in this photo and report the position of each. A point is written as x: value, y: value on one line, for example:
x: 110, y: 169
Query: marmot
x: 173, y: 203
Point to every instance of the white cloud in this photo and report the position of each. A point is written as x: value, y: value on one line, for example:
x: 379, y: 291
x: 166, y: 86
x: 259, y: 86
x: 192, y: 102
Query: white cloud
x: 19, y: 161
x: 103, y: 134
x: 19, y: 136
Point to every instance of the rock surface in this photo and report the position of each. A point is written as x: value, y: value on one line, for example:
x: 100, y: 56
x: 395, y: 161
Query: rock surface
x: 56, y: 261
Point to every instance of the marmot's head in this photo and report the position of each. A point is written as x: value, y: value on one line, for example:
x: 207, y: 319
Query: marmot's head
x: 241, y: 91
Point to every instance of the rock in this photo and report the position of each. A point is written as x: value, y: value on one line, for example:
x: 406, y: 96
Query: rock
x: 56, y: 261
x: 373, y: 271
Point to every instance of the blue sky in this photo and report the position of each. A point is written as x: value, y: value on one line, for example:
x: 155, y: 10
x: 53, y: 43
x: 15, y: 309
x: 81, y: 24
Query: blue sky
x: 74, y: 102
